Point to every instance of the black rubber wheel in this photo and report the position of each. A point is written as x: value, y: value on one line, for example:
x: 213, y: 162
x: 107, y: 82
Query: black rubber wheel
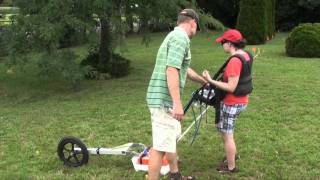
x: 68, y: 154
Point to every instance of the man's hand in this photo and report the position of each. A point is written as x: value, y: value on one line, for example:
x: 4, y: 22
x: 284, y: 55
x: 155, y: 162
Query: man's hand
x: 177, y: 111
x: 191, y: 74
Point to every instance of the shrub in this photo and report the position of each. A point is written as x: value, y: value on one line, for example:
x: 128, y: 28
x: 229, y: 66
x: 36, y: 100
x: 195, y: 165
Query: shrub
x: 62, y: 63
x: 118, y: 66
x: 304, y: 41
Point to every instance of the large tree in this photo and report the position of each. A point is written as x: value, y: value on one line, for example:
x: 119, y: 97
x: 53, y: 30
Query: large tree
x: 44, y: 24
x: 48, y: 25
x: 113, y: 16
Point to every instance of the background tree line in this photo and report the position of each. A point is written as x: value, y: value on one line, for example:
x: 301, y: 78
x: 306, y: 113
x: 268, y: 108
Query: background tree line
x: 47, y: 27
x: 289, y: 13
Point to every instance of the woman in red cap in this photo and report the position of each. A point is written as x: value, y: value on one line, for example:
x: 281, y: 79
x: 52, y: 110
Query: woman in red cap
x: 237, y: 84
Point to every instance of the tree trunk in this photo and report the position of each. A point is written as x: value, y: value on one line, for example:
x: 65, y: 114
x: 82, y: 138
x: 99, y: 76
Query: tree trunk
x: 105, y: 45
x: 130, y: 24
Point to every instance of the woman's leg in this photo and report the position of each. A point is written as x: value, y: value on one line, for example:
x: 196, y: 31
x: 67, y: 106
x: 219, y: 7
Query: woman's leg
x: 230, y: 149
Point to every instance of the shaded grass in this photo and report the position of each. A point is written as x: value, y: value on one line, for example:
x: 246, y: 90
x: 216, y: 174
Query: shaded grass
x: 276, y: 136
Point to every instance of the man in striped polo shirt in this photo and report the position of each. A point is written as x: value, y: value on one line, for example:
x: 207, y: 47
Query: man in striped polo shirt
x: 164, y: 92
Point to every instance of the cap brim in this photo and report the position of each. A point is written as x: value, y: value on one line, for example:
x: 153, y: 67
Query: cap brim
x: 219, y: 39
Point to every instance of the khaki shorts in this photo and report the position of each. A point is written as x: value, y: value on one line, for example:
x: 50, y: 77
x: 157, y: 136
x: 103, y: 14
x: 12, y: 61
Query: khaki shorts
x: 165, y: 130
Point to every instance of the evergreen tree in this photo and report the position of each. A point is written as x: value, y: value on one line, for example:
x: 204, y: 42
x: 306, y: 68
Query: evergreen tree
x: 256, y: 20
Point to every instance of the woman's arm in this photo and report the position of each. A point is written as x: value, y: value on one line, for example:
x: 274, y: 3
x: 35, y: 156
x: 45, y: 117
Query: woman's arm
x: 229, y: 86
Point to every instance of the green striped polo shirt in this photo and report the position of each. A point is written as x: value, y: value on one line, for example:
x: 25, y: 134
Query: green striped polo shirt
x: 175, y: 52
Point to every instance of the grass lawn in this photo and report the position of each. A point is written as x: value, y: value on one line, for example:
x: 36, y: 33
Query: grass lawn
x: 277, y: 136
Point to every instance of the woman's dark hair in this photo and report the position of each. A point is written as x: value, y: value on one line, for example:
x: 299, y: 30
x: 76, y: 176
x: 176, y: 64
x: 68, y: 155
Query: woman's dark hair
x: 239, y: 45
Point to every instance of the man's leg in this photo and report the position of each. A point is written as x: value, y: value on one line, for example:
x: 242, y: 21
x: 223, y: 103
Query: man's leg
x: 155, y: 162
x: 230, y: 149
x: 165, y: 130
x: 173, y: 162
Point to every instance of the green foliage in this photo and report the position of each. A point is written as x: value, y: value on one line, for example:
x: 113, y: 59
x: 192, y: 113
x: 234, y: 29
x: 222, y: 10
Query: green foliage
x: 256, y: 20
x: 63, y: 64
x: 252, y: 21
x: 9, y: 10
x: 225, y: 11
x: 209, y: 22
x: 3, y: 44
x: 6, y: 2
x: 51, y: 24
x: 45, y: 26
x: 309, y: 4
x: 290, y: 13
x: 304, y: 41
x: 118, y: 66
x: 271, y: 16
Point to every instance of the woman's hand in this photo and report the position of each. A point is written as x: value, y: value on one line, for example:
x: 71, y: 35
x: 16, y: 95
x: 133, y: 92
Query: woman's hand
x: 206, y: 75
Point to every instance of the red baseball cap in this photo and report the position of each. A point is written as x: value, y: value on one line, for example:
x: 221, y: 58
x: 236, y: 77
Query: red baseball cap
x: 231, y: 35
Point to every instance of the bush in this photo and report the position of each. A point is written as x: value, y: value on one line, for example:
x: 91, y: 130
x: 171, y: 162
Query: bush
x: 304, y: 41
x: 118, y: 66
x: 62, y: 63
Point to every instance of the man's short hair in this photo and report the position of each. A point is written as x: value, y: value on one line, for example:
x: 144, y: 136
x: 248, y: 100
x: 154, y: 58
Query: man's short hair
x: 187, y: 15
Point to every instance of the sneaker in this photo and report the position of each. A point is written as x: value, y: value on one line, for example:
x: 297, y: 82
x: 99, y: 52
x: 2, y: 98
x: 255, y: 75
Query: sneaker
x: 178, y: 176
x: 225, y: 169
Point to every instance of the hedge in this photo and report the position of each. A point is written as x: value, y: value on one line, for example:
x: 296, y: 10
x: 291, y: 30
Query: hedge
x: 304, y: 41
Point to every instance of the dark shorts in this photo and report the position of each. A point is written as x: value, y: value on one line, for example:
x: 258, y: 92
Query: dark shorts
x: 228, y: 116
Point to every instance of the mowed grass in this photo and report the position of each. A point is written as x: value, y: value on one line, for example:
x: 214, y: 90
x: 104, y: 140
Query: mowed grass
x: 277, y: 136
